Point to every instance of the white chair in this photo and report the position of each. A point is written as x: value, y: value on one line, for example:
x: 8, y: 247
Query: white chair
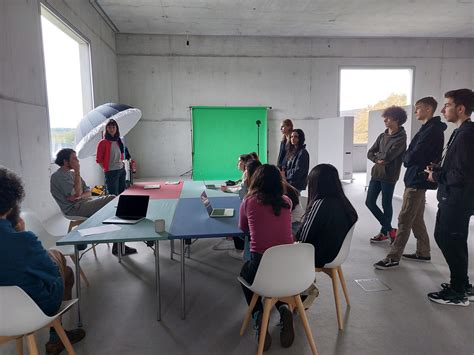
x: 284, y: 272
x: 333, y: 269
x: 74, y: 221
x: 33, y: 223
x: 20, y: 316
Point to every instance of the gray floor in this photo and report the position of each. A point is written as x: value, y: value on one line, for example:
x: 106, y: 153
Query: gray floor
x: 119, y: 310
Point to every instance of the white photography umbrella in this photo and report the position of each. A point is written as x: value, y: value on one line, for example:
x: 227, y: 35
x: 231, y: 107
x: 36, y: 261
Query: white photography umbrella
x: 90, y: 129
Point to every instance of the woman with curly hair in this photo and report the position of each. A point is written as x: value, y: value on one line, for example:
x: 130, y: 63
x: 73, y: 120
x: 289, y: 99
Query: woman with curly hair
x: 265, y: 214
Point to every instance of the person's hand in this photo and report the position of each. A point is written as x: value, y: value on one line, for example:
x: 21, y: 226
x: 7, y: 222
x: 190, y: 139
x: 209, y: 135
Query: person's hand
x: 75, y: 165
x: 381, y: 162
x: 429, y: 172
x: 223, y: 188
x: 73, y: 198
x: 20, y: 225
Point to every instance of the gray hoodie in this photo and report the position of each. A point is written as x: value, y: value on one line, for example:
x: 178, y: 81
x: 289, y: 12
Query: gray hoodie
x: 389, y: 148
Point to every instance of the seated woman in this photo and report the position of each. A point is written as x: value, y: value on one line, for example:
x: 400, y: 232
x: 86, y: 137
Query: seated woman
x: 297, y: 161
x: 243, y: 159
x: 329, y: 214
x: 265, y: 214
x: 43, y: 275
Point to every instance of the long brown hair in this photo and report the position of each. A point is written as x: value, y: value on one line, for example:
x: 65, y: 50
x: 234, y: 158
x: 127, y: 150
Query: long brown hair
x: 287, y: 123
x: 266, y: 184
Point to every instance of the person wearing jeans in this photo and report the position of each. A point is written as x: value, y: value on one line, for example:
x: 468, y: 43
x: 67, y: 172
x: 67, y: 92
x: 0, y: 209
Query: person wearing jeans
x: 425, y: 147
x: 386, y: 153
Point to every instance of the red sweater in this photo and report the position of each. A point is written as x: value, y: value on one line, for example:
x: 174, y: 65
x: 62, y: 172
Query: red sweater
x: 266, y: 229
x: 103, y: 153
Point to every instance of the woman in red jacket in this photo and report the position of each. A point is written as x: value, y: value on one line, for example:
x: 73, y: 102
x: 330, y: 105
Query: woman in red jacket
x: 110, y: 155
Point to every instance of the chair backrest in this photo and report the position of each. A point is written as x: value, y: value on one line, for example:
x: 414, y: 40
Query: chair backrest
x: 344, y: 251
x: 33, y: 223
x: 19, y: 314
x: 285, y: 270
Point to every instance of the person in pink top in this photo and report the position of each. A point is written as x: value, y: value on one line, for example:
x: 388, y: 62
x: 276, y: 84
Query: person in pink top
x: 265, y: 214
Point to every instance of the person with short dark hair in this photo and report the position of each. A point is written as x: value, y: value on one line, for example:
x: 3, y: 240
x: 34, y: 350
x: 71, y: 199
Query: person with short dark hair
x: 455, y: 178
x: 425, y: 147
x: 286, y: 128
x: 43, y: 275
x: 386, y: 153
x: 297, y: 161
x: 265, y: 214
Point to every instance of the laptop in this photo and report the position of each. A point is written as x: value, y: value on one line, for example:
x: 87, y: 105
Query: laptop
x: 215, y: 212
x: 131, y: 209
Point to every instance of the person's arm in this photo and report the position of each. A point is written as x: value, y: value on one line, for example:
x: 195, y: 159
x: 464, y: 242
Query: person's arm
x: 308, y: 230
x: 243, y: 220
x: 300, y: 169
x: 100, y: 154
x: 372, y: 152
x: 39, y: 262
x: 396, y: 149
x: 428, y: 144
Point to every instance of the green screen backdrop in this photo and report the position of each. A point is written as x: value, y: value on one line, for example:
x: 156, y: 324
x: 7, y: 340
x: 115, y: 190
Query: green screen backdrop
x: 220, y: 135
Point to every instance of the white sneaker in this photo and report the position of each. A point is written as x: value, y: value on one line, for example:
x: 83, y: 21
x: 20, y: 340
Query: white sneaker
x: 236, y: 254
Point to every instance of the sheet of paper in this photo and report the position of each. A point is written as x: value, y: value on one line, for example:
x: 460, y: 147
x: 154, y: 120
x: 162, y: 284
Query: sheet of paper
x: 98, y: 230
x: 172, y: 183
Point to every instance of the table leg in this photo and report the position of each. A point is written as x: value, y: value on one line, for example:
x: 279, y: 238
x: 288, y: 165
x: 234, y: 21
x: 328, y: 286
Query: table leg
x: 78, y: 285
x: 119, y: 251
x: 157, y: 275
x: 172, y: 249
x: 183, y: 300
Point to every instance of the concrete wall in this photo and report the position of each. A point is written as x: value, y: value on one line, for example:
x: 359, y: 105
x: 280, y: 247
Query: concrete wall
x: 298, y: 77
x: 24, y: 133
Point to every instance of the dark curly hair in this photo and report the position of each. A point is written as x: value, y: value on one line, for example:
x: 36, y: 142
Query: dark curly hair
x: 62, y: 155
x: 266, y: 184
x: 11, y: 190
x: 396, y: 113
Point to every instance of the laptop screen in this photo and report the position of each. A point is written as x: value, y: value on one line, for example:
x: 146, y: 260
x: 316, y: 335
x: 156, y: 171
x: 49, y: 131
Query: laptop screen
x: 132, y: 206
x: 206, y: 202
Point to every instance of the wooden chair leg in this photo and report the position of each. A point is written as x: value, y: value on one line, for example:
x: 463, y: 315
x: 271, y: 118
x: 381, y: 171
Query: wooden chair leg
x: 336, y: 297
x: 19, y: 346
x: 33, y: 349
x: 93, y: 249
x: 248, y: 315
x: 343, y: 284
x: 83, y: 275
x: 307, y: 328
x: 73, y: 224
x: 263, y: 329
x: 62, y: 335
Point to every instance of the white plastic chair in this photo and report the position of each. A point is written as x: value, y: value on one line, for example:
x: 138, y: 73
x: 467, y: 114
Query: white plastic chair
x: 333, y: 269
x: 20, y: 316
x: 284, y: 272
x: 33, y: 223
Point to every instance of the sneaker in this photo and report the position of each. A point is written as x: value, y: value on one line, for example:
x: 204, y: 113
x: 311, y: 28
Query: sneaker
x: 469, y: 290
x: 416, y: 257
x: 128, y: 250
x: 258, y: 325
x: 236, y: 254
x: 75, y: 335
x: 309, y: 295
x: 449, y: 297
x: 386, y: 264
x: 287, y: 333
x: 392, y: 235
x: 379, y: 238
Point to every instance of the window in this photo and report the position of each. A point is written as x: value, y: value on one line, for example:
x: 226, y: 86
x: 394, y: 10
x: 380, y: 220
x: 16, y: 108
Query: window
x: 68, y: 79
x: 364, y: 90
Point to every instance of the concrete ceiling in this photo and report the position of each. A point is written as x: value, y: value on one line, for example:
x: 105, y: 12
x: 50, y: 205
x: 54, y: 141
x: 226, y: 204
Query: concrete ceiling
x: 319, y: 18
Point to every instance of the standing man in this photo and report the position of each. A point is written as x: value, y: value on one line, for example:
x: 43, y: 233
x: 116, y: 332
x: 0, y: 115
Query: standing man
x: 455, y: 178
x: 73, y: 195
x: 386, y: 153
x: 425, y: 147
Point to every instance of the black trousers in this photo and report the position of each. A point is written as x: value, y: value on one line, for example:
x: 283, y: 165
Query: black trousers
x: 451, y: 232
x: 248, y: 272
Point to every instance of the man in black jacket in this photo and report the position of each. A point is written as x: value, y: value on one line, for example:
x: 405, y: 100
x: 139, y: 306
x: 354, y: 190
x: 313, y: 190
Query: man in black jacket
x: 455, y: 178
x: 425, y: 147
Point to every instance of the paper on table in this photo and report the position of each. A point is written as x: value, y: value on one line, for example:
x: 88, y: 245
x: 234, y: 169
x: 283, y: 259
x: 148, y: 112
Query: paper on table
x: 172, y: 183
x: 98, y: 230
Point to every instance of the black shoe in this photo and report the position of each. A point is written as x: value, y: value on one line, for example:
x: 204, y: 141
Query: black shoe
x: 287, y: 333
x: 56, y: 347
x: 150, y: 243
x: 386, y: 264
x: 268, y: 338
x: 127, y: 250
x: 449, y: 297
x: 469, y: 290
x: 416, y: 257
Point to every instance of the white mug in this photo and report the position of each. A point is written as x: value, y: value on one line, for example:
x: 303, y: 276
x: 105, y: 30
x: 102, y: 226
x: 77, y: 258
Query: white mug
x: 159, y: 225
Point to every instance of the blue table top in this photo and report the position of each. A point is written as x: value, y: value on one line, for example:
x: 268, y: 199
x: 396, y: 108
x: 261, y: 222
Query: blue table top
x: 191, y: 219
x: 143, y: 230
